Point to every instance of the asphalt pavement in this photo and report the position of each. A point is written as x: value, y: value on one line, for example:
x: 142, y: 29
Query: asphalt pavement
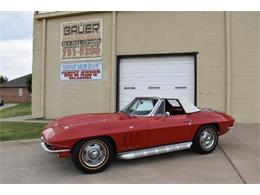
x: 235, y: 160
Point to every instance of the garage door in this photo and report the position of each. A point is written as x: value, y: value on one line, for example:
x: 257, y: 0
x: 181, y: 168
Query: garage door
x: 167, y: 76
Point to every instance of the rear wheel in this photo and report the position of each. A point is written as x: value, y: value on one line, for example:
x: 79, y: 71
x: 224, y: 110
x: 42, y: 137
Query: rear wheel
x: 92, y: 156
x: 206, y: 139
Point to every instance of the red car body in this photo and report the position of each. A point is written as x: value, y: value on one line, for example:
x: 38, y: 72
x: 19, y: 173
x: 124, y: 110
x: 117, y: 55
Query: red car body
x: 129, y: 132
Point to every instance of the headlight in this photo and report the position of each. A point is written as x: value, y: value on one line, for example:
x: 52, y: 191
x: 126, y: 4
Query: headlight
x: 48, y: 133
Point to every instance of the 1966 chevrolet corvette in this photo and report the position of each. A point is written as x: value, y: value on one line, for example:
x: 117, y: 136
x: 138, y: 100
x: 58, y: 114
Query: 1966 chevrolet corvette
x: 146, y: 126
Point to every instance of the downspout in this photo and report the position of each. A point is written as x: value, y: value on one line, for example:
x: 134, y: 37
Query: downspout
x: 113, y: 65
x: 43, y: 65
x: 228, y: 61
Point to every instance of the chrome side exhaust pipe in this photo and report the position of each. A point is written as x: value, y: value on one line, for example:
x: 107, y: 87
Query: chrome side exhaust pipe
x: 153, y: 151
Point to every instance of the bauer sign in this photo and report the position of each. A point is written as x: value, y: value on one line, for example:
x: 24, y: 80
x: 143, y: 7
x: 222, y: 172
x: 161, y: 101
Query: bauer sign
x: 81, y: 40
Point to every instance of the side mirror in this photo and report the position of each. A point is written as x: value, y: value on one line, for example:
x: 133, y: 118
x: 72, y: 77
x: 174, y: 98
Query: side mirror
x: 167, y: 114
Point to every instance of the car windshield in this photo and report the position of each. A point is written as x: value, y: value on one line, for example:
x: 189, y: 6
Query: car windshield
x: 140, y: 106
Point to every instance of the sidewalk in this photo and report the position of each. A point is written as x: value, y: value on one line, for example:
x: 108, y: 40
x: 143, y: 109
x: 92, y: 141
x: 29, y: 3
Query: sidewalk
x: 24, y: 118
x: 7, y: 106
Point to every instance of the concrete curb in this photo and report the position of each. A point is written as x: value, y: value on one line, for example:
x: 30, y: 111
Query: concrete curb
x: 21, y: 141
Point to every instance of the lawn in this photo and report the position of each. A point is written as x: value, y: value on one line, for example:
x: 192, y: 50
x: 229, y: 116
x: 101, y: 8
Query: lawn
x: 20, y: 130
x: 18, y: 110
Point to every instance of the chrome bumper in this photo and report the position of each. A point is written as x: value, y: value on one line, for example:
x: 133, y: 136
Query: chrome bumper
x: 232, y: 127
x: 45, y: 148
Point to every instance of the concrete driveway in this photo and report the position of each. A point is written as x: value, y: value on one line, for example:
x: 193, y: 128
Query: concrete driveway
x: 235, y: 160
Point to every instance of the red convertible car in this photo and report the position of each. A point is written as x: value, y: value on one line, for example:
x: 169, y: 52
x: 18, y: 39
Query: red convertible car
x: 146, y: 126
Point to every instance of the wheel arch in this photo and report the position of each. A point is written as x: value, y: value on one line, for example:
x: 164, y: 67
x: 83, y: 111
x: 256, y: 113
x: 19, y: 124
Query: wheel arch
x: 106, y: 137
x: 214, y: 124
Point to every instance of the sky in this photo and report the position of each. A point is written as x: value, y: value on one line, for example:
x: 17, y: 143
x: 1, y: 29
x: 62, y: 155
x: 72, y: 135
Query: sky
x: 15, y: 43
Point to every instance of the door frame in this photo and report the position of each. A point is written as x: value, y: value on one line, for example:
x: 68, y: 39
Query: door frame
x: 119, y: 57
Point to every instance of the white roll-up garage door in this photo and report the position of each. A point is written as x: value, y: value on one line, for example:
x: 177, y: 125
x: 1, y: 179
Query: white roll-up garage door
x: 164, y: 76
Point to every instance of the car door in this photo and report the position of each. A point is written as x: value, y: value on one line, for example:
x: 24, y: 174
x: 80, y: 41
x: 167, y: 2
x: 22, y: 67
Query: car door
x: 134, y: 128
x: 133, y: 133
x: 170, y: 129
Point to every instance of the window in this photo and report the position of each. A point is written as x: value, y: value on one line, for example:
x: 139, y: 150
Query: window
x: 173, y: 107
x: 174, y: 103
x: 20, y: 92
x: 161, y: 109
x: 140, y: 106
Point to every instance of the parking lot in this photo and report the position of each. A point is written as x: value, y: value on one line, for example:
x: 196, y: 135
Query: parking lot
x: 235, y: 160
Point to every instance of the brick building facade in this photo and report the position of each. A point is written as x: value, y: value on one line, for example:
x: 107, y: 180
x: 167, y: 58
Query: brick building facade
x: 15, y: 91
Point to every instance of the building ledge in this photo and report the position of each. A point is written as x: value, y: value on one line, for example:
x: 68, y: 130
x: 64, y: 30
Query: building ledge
x: 41, y: 14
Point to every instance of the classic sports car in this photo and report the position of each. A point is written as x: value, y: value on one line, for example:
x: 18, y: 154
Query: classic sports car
x: 146, y: 126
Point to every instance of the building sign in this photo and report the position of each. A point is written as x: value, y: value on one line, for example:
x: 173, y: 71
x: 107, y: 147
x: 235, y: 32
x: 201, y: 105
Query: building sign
x: 81, y: 40
x: 81, y: 71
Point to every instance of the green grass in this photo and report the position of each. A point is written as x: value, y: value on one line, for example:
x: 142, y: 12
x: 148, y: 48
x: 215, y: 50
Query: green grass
x: 20, y: 130
x: 18, y: 110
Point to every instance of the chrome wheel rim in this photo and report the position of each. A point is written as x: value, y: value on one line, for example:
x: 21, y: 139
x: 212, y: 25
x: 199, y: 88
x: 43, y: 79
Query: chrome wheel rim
x: 207, y: 139
x: 93, y: 153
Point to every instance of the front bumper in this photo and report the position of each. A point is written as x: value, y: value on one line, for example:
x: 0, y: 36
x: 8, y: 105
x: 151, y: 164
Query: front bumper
x: 48, y: 149
x: 232, y: 127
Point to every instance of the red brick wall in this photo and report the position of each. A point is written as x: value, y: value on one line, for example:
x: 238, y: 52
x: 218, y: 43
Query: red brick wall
x: 12, y: 95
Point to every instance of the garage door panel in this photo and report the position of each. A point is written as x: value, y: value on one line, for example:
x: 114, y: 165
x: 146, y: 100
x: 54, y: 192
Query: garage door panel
x: 166, y: 81
x: 156, y: 76
x: 153, y: 78
x: 156, y: 94
x: 155, y: 60
x: 157, y: 87
x: 164, y: 93
x: 158, y: 68
x: 155, y: 67
x: 158, y: 84
x: 161, y: 62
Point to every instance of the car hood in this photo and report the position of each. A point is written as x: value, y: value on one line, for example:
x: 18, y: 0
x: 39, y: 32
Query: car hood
x: 87, y: 119
x: 66, y: 127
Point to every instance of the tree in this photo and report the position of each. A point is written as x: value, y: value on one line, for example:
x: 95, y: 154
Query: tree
x: 3, y: 79
x: 29, y: 83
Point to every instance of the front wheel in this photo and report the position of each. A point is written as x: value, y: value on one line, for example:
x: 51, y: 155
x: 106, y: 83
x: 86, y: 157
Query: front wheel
x: 206, y: 139
x: 92, y: 156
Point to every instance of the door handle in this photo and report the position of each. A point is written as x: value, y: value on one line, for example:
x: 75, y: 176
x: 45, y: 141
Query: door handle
x: 188, y: 121
x: 130, y: 126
